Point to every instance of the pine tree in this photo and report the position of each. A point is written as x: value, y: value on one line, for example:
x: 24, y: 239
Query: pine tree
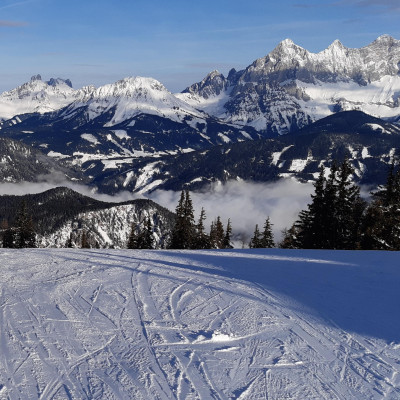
x: 183, y: 233
x: 219, y: 233
x: 226, y: 244
x: 289, y: 238
x: 332, y: 220
x: 255, y: 241
x: 69, y: 243
x: 202, y: 240
x: 310, y: 227
x: 213, y: 236
x: 8, y: 236
x: 349, y: 209
x: 145, y: 239
x: 381, y: 222
x: 84, y: 241
x: 133, y: 238
x: 267, y: 238
x: 25, y: 234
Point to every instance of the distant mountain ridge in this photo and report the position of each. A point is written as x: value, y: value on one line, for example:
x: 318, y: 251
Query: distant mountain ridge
x: 370, y: 144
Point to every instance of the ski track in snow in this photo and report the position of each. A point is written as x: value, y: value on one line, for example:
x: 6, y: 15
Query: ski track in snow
x: 118, y: 324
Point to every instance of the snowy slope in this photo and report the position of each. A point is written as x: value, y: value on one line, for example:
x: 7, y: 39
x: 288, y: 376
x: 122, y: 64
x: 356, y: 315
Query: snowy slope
x: 109, y: 227
x: 250, y: 324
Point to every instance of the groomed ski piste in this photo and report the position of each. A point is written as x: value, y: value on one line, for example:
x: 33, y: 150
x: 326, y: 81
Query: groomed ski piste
x: 238, y: 324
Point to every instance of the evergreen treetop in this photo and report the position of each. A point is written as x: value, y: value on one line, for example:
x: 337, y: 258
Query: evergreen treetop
x: 267, y: 238
x: 183, y: 233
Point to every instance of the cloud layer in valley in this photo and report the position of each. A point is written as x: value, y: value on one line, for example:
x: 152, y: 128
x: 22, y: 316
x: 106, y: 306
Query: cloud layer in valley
x: 247, y: 204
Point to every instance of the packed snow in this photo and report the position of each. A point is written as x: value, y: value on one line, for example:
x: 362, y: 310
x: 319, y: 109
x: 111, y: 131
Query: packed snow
x: 243, y: 324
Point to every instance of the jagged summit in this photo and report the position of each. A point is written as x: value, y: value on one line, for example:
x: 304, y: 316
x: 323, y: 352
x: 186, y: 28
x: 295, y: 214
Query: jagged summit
x: 287, y: 43
x: 291, y: 86
x: 336, y: 44
x: 52, y: 82
x: 214, y: 73
x: 59, y: 81
x: 386, y: 38
x: 212, y: 85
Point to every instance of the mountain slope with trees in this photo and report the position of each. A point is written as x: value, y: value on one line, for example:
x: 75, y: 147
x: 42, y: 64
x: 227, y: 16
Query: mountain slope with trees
x: 367, y: 142
x: 62, y: 215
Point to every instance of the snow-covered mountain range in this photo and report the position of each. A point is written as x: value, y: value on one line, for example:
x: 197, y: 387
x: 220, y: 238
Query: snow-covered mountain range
x: 291, y: 86
x: 117, y: 134
x: 285, y: 90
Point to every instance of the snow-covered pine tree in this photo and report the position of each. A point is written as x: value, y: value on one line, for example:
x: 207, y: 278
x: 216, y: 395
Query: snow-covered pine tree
x: 213, y: 236
x: 289, y: 238
x: 8, y: 235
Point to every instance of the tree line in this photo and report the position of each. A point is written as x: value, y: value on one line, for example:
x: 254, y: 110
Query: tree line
x: 187, y: 234
x: 22, y: 235
x: 336, y: 218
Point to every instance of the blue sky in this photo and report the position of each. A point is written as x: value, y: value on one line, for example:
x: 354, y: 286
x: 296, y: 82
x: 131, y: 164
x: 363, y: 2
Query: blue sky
x: 177, y: 42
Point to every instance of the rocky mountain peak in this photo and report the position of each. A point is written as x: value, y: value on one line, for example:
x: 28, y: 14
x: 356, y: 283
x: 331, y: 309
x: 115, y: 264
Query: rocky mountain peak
x: 287, y: 43
x: 386, y: 39
x: 58, y: 81
x: 212, y: 85
x: 37, y: 77
x: 337, y: 44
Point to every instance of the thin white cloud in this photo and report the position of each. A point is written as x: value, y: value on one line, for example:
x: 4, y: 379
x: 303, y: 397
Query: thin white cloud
x: 47, y: 182
x: 382, y: 6
x: 12, y: 24
x: 375, y: 5
x: 387, y: 4
x: 16, y: 4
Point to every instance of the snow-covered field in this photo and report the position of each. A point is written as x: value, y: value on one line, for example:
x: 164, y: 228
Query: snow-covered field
x: 246, y: 324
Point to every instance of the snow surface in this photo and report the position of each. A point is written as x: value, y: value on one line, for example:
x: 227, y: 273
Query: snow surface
x: 244, y: 324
